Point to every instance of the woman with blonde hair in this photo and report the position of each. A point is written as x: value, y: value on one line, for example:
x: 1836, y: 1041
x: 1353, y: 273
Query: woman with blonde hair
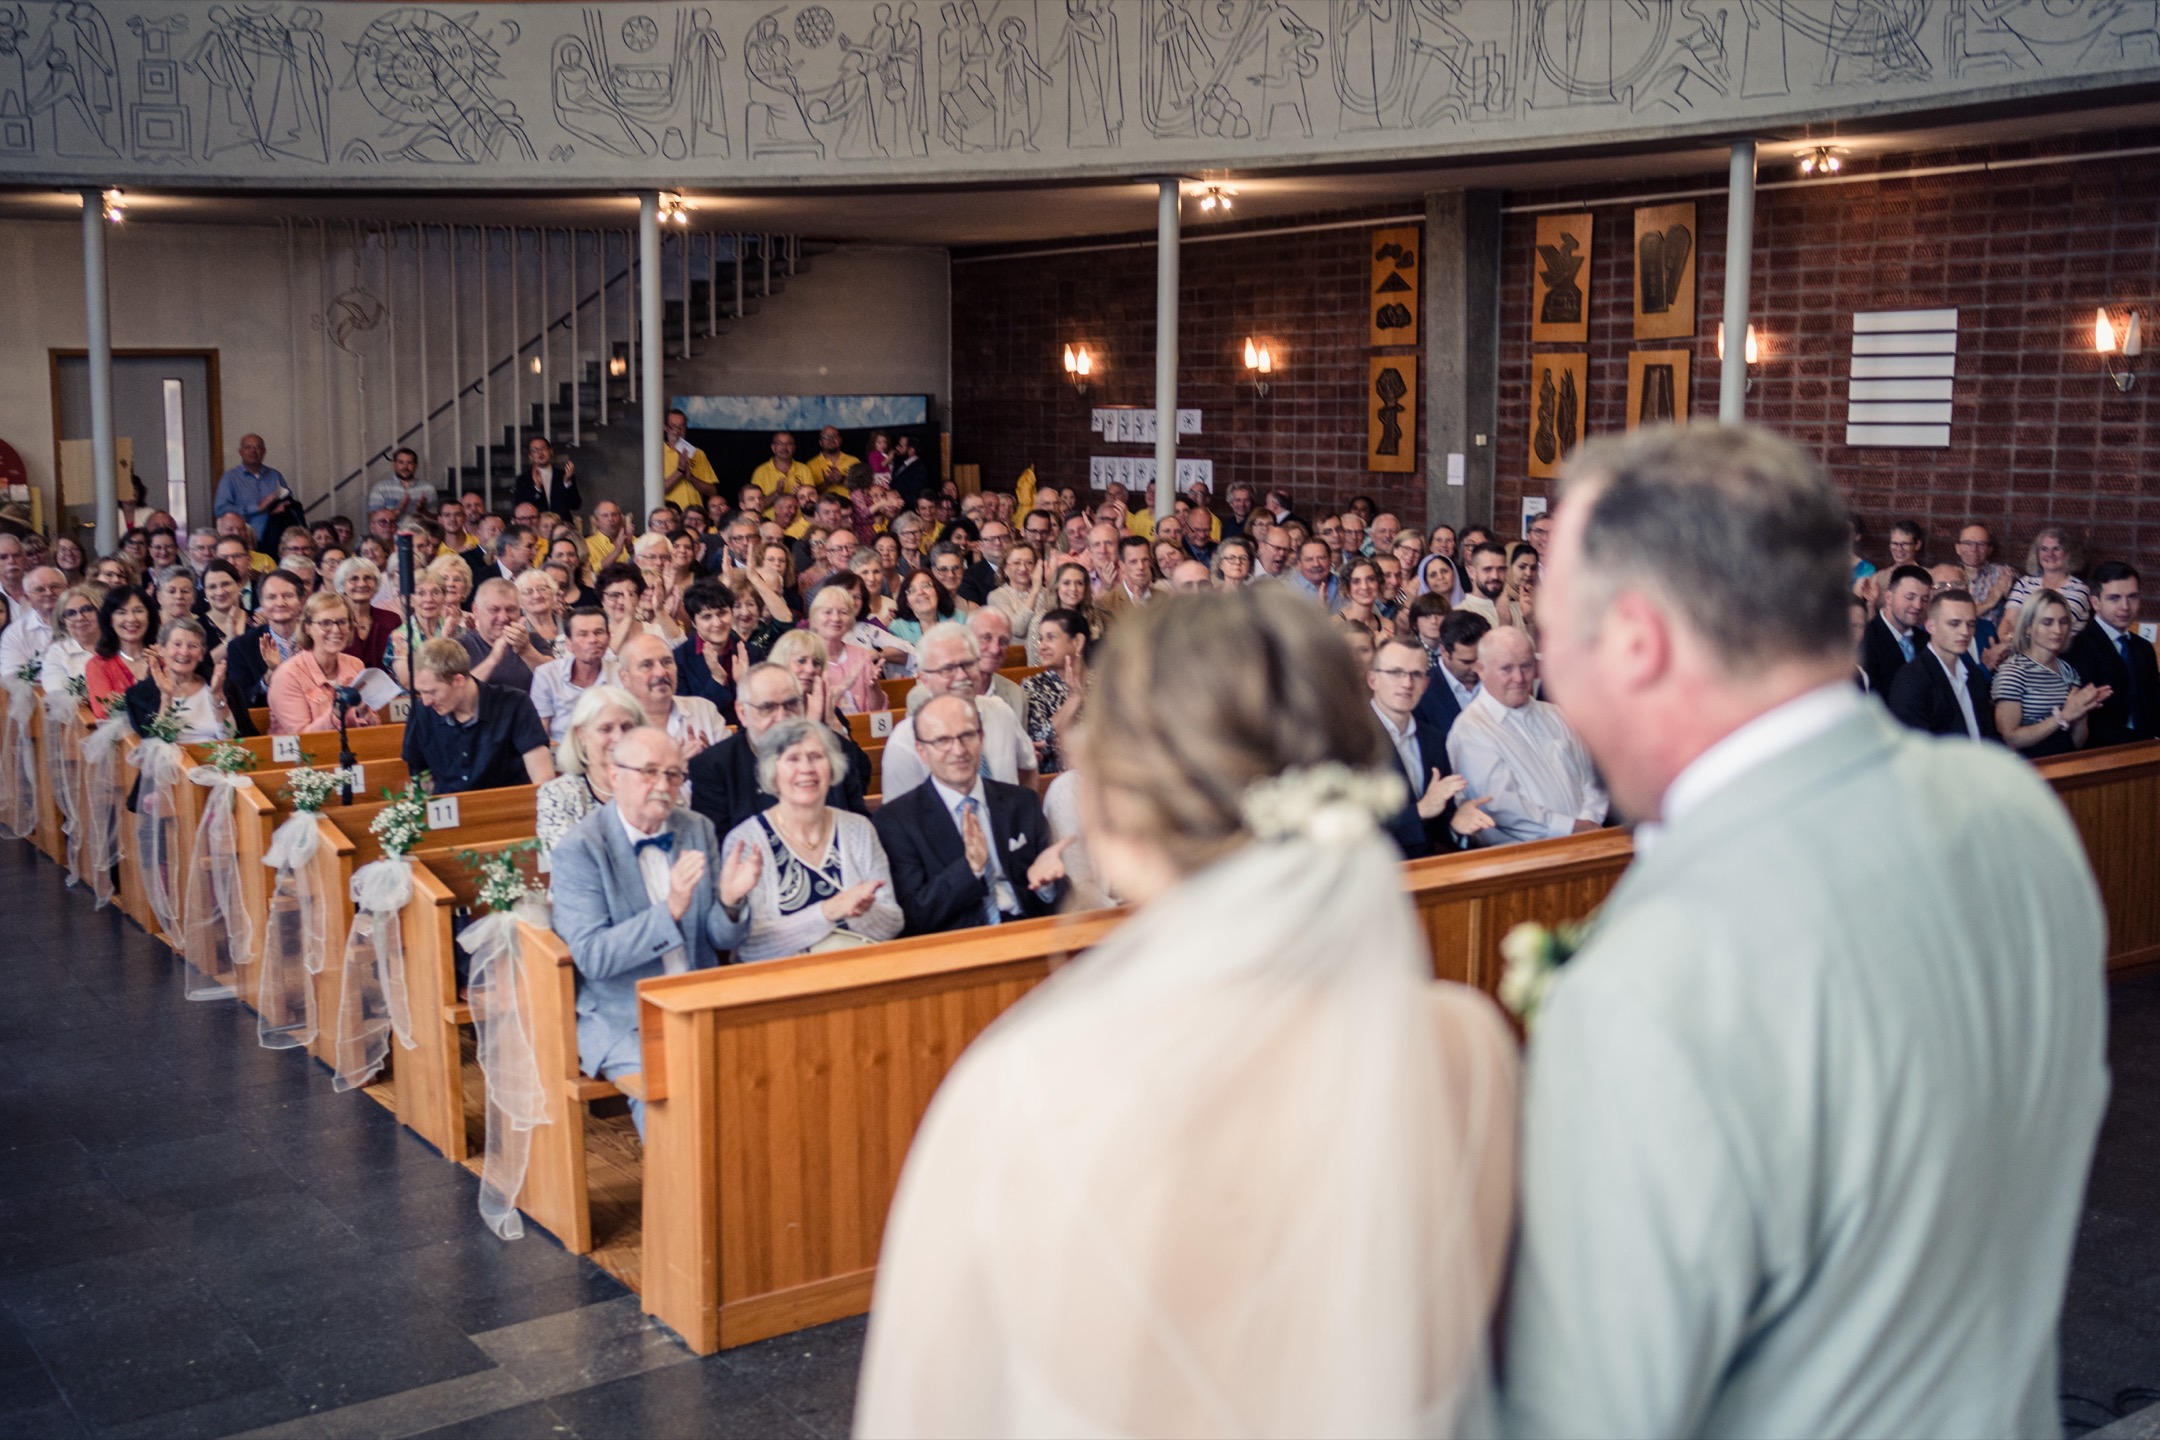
x: 851, y: 670
x: 457, y: 583
x: 1243, y: 1169
x: 2041, y: 703
x: 303, y: 690
x: 2051, y: 564
x: 359, y: 581
x: 603, y: 714
x: 1072, y: 588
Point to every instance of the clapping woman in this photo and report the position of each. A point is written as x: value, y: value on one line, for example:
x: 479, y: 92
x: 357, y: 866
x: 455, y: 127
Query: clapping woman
x: 185, y: 683
x: 122, y: 654
x: 303, y: 690
x: 2041, y: 704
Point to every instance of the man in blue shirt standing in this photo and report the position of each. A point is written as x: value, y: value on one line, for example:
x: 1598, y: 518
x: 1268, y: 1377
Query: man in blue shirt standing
x: 251, y: 489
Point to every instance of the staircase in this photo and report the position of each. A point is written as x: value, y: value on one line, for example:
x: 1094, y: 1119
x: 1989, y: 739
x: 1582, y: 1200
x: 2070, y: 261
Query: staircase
x: 730, y: 279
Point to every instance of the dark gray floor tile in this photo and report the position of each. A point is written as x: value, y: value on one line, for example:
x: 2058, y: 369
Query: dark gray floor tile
x: 811, y: 1373
x: 165, y: 1177
x: 32, y: 1407
x: 704, y: 1399
x: 475, y: 1311
x: 43, y: 1165
x: 578, y: 1349
x: 349, y: 1364
x: 161, y: 1353
x: 225, y: 1415
x: 61, y: 1296
x: 536, y: 1421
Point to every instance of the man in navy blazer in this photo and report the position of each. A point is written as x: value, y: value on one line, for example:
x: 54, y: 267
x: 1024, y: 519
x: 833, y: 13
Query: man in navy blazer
x: 2110, y: 652
x: 1895, y: 638
x: 547, y: 482
x: 1452, y: 678
x: 1942, y: 692
x: 965, y: 849
x: 635, y: 898
x: 1432, y: 821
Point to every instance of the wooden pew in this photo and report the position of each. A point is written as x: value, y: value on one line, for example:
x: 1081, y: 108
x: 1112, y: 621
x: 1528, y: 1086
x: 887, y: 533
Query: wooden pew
x: 2113, y: 797
x: 782, y: 1096
x: 556, y: 1194
x: 51, y: 834
x: 133, y: 895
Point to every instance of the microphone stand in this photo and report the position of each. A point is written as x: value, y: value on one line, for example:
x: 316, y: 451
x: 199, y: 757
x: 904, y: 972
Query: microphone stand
x: 345, y: 757
x: 405, y: 589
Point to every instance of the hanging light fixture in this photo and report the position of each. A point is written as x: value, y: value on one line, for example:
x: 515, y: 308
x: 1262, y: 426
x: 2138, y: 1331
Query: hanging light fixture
x: 1079, y: 366
x: 115, y: 203
x: 674, y: 210
x: 1821, y: 160
x: 1217, y: 197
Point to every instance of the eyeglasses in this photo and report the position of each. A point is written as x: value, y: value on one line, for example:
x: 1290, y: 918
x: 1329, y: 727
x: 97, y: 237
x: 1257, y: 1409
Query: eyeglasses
x: 672, y: 775
x: 958, y: 667
x: 785, y: 707
x: 947, y: 742
x: 81, y: 612
x: 328, y: 622
x: 1397, y: 674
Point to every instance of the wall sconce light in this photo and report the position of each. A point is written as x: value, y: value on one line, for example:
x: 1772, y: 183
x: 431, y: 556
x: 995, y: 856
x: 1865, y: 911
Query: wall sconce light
x: 618, y: 366
x: 2126, y: 340
x: 535, y: 364
x: 674, y: 210
x: 1079, y: 366
x: 1259, y: 364
x: 1751, y: 353
x: 1822, y: 160
x: 115, y: 205
x: 1217, y: 197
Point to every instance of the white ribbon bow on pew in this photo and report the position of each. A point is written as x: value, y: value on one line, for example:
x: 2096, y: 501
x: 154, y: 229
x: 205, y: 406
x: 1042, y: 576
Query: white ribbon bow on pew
x: 372, y: 1003
x: 102, y: 794
x: 516, y: 1100
x: 217, y: 926
x: 63, y: 745
x: 296, y: 938
x: 160, y: 765
x: 18, y: 761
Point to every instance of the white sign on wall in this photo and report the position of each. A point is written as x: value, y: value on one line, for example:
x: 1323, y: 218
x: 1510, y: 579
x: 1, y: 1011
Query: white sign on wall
x: 1137, y: 472
x: 1904, y: 363
x: 1133, y: 425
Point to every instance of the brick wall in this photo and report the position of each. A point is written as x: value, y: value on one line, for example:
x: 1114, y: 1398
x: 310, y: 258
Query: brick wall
x: 1302, y: 295
x: 2025, y: 254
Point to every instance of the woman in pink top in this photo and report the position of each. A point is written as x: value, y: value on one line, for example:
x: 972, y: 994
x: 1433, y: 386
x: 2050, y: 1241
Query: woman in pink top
x: 303, y: 689
x: 851, y: 670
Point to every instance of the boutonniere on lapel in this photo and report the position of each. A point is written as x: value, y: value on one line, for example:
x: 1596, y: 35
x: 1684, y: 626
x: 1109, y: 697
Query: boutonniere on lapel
x: 1534, y: 955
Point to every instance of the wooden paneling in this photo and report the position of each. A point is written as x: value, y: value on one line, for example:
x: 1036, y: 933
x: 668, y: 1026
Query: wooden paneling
x: 2113, y: 797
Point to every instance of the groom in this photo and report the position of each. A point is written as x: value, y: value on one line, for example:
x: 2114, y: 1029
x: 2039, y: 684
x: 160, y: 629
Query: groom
x: 1808, y: 1119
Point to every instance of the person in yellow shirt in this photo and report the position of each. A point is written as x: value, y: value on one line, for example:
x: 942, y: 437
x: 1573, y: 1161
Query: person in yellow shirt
x: 684, y: 470
x: 608, y: 528
x: 831, y: 464
x: 783, y: 472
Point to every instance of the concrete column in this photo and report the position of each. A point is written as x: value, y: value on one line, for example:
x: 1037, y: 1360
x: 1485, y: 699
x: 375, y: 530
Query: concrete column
x: 1739, y: 255
x: 1166, y: 343
x: 98, y: 317
x: 1462, y: 353
x: 653, y: 385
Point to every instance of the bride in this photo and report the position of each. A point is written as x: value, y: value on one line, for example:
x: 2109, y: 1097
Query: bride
x: 1244, y: 1168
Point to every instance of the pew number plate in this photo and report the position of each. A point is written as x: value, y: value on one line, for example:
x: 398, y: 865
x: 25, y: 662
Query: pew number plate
x: 285, y: 750
x: 359, y: 778
x: 880, y: 724
x: 442, y: 813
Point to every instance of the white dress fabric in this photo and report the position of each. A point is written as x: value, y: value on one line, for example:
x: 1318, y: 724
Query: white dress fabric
x: 1537, y: 771
x: 1244, y: 1169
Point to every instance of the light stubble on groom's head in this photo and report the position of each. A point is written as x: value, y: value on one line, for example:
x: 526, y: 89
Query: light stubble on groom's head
x: 1696, y: 579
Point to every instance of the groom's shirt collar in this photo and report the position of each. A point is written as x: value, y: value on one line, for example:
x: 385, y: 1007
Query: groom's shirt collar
x: 1754, y: 744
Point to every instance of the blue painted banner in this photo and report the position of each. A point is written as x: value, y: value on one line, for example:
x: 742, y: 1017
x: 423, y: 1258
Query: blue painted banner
x: 802, y: 412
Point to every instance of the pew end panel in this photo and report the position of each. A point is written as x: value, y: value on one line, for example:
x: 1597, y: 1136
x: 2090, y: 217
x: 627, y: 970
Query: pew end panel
x: 556, y: 1195
x: 2113, y: 797
x: 51, y: 836
x: 1467, y: 902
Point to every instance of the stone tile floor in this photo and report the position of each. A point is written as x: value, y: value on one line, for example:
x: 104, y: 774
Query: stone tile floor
x: 197, y: 1237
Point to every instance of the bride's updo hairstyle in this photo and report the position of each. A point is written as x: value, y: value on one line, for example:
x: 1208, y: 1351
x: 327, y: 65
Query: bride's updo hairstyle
x: 1195, y: 697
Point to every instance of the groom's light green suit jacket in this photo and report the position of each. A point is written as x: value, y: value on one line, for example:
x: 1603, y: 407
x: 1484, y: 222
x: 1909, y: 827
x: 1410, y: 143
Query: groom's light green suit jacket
x: 1807, y: 1122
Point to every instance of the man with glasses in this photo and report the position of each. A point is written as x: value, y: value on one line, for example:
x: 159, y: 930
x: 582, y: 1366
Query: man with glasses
x: 982, y: 577
x: 1988, y: 582
x: 966, y: 850
x: 469, y: 736
x: 723, y: 778
x: 1272, y: 554
x: 23, y: 643
x: 682, y: 910
x: 253, y: 654
x: 646, y: 668
x: 1433, y: 821
x: 948, y: 662
x: 1039, y: 529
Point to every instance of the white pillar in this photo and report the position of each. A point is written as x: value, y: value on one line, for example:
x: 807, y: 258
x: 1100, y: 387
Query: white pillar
x: 1739, y: 254
x: 653, y: 387
x: 98, y: 315
x: 1166, y: 343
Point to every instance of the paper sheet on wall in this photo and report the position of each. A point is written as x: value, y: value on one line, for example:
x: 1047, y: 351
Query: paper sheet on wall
x: 1136, y: 472
x: 1135, y: 425
x: 1455, y: 467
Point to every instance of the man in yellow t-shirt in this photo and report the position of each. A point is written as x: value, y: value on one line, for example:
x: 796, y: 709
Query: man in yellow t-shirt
x: 831, y: 464
x: 783, y: 471
x: 684, y: 470
x: 607, y: 518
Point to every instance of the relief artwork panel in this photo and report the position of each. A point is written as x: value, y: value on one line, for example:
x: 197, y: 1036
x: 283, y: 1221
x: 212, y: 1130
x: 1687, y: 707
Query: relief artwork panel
x: 1392, y: 292
x: 1560, y: 281
x: 1391, y: 414
x: 1559, y: 401
x: 1665, y: 245
x: 1657, y: 387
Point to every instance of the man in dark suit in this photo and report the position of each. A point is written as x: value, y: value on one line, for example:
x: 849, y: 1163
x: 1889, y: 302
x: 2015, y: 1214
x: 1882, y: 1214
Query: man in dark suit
x: 2110, y: 652
x: 247, y: 666
x: 910, y: 473
x: 1452, y: 678
x: 1896, y: 636
x: 548, y: 483
x: 965, y: 849
x: 1942, y: 692
x: 723, y: 777
x: 1432, y: 821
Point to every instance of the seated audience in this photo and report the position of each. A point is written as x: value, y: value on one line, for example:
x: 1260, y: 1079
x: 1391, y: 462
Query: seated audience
x: 469, y: 735
x: 1361, y: 588
x: 802, y: 655
x: 824, y: 882
x: 949, y: 662
x: 1897, y: 636
x: 585, y: 780
x: 1022, y: 587
x: 994, y: 636
x: 2051, y: 564
x: 1515, y: 749
x: 122, y: 654
x: 682, y: 910
x: 1517, y: 602
x: 646, y: 668
x: 30, y: 633
x: 176, y: 594
x: 709, y: 663
x: 184, y: 684
x: 540, y: 607
x: 225, y: 603
x: 253, y: 658
x: 964, y: 850
x: 558, y: 684
x: 1432, y: 820
x: 1134, y: 583
x: 359, y: 582
x: 1053, y: 696
x: 498, y: 643
x: 67, y: 658
x: 1233, y: 563
x: 303, y: 690
x: 1453, y: 666
x: 851, y: 670
x: 1988, y: 582
x: 2041, y: 706
x: 2114, y: 655
x: 724, y: 777
x: 1942, y: 692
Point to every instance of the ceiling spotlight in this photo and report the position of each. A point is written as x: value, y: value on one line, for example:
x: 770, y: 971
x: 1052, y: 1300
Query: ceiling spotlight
x: 1217, y: 197
x: 116, y: 205
x: 674, y: 210
x: 1820, y: 161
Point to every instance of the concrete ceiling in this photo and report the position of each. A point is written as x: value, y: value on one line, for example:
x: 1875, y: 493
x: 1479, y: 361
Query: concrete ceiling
x: 993, y: 216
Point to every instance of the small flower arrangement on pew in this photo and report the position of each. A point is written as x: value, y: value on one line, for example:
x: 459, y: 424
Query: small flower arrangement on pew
x: 1534, y: 956
x: 502, y: 884
x: 30, y: 670
x: 230, y: 757
x: 168, y: 725
x: 401, y: 823
x: 309, y: 788
x: 78, y: 686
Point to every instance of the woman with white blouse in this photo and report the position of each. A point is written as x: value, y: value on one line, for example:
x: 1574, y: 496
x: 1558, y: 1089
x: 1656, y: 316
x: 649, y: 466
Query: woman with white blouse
x: 69, y: 654
x: 824, y: 882
x: 603, y: 714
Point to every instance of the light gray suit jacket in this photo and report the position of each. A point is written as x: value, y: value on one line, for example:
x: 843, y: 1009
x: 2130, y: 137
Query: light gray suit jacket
x: 618, y: 936
x: 1808, y: 1120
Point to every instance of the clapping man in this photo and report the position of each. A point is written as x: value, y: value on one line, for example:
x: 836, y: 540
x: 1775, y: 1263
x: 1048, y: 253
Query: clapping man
x: 966, y: 850
x: 1942, y: 692
x: 1434, y: 821
x: 1516, y: 750
x: 1895, y: 638
x: 723, y: 778
x: 545, y: 482
x: 2110, y: 652
x: 948, y: 662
